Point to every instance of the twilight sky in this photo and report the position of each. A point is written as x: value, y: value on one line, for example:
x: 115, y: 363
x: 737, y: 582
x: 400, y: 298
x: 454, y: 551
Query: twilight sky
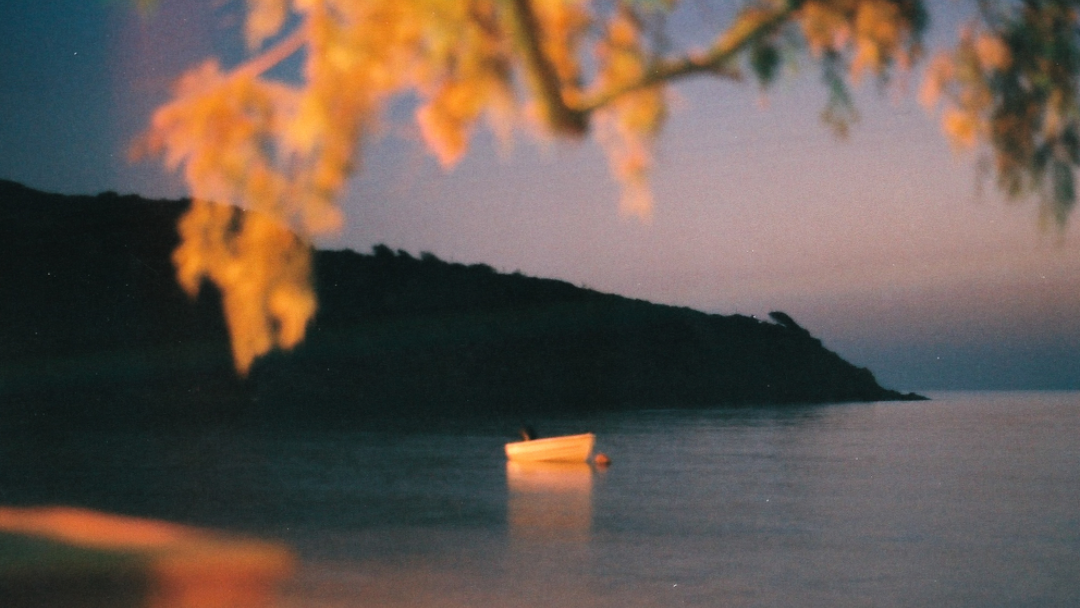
x: 881, y: 245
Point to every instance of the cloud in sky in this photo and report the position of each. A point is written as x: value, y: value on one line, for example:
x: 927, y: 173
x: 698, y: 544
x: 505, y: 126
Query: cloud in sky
x: 882, y: 245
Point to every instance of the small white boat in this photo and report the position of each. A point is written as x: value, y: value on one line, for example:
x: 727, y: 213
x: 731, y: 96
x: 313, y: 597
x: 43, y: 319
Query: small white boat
x: 568, y: 448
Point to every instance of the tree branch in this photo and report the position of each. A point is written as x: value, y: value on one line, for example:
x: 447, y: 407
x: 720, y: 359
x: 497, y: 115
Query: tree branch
x: 560, y: 116
x: 275, y: 54
x: 714, y: 61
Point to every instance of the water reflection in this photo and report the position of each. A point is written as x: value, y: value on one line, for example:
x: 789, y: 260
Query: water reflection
x: 549, y: 500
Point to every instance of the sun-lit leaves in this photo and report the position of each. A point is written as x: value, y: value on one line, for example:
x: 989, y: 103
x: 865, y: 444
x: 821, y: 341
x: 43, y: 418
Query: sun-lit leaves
x: 991, y: 52
x: 265, y: 18
x: 628, y: 126
x: 1011, y: 85
x: 263, y: 271
x: 876, y: 33
x: 563, y: 24
x: 283, y: 150
x: 468, y: 76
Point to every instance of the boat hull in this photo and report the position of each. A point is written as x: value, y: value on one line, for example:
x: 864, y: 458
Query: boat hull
x: 568, y: 448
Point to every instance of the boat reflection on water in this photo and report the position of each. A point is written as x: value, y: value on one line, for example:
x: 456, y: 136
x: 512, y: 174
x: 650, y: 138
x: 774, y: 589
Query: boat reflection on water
x: 549, y: 500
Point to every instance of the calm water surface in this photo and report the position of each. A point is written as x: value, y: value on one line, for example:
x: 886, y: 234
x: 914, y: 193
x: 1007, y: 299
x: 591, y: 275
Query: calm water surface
x: 966, y: 500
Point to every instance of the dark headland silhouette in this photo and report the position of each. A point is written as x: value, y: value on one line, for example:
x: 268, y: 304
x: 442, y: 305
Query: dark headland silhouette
x: 96, y: 331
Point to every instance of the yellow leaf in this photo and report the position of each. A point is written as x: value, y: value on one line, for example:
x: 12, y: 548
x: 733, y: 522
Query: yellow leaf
x: 992, y: 52
x: 939, y: 74
x: 264, y: 19
x: 962, y: 128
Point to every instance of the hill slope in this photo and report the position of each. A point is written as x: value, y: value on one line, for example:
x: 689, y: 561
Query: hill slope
x: 96, y: 331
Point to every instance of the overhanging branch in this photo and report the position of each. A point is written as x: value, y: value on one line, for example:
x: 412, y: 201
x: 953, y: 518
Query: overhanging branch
x: 715, y: 61
x: 275, y: 54
x: 560, y: 117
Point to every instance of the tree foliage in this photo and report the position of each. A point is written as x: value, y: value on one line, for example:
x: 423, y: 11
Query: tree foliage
x: 1011, y: 83
x: 283, y: 148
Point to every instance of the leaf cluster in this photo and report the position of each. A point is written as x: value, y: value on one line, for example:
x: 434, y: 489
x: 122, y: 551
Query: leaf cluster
x: 1011, y: 85
x: 557, y: 69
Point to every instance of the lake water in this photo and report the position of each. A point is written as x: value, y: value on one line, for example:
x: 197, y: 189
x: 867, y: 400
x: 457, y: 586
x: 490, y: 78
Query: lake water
x: 972, y: 499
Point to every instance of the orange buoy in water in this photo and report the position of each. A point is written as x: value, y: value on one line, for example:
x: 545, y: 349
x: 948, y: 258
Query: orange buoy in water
x: 602, y: 460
